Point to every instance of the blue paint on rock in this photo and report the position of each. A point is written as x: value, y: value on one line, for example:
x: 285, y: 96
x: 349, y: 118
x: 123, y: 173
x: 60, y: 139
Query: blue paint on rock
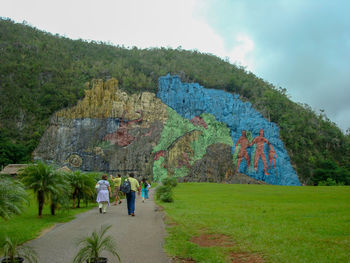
x: 191, y: 99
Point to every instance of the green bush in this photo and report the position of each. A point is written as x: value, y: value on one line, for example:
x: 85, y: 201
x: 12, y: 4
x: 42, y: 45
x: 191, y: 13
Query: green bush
x: 329, y: 182
x: 167, y: 197
x: 170, y: 181
x: 165, y: 193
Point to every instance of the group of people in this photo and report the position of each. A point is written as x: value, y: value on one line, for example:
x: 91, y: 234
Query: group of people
x: 104, y: 192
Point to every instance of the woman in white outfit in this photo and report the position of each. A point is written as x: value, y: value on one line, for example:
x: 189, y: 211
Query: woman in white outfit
x: 104, y: 192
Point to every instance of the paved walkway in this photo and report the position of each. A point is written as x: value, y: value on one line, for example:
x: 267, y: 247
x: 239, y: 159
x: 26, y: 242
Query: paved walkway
x: 139, y: 238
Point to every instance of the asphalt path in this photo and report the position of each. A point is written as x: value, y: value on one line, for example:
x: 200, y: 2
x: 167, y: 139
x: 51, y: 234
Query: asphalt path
x: 139, y: 238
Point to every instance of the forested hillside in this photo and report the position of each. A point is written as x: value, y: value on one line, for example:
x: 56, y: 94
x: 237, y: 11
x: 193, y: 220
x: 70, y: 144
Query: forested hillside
x: 41, y: 73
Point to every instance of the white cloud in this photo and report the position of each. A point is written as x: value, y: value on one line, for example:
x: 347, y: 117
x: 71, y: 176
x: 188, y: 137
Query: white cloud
x: 241, y: 54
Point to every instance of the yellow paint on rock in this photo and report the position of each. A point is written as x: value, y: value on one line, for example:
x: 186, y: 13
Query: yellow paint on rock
x: 106, y: 100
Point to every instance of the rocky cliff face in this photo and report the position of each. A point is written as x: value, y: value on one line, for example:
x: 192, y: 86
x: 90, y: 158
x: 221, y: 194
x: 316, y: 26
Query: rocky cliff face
x: 186, y: 131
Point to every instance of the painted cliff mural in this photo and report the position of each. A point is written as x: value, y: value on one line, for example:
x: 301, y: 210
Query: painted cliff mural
x: 184, y: 130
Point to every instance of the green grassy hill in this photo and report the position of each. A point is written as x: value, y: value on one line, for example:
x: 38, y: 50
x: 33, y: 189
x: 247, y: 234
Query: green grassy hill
x: 41, y: 73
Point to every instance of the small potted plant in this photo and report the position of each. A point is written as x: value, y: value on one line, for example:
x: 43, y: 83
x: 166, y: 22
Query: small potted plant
x: 92, y: 246
x: 16, y: 254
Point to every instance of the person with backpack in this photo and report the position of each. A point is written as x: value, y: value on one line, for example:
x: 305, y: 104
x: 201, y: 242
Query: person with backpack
x: 104, y: 192
x: 130, y: 197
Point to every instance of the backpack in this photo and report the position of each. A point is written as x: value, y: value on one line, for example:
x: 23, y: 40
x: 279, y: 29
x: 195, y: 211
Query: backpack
x: 126, y: 187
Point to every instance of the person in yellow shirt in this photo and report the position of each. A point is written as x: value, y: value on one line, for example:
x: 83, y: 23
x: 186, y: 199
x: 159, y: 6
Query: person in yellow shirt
x: 130, y: 197
x: 117, y: 182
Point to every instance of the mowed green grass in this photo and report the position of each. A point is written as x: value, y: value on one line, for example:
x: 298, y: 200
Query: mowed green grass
x: 280, y: 223
x: 28, y: 225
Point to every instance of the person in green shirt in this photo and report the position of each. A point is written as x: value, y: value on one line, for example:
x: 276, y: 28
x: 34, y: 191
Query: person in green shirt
x: 130, y: 197
x: 117, y: 182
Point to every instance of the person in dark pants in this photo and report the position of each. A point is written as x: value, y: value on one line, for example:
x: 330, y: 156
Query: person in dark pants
x: 130, y: 197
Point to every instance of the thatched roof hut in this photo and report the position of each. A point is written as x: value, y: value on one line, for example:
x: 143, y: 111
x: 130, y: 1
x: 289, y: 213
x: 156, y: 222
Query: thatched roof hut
x: 64, y: 169
x: 13, y: 169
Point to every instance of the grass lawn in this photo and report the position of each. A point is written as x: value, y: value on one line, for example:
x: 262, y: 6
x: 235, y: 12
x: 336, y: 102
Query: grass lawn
x: 28, y: 225
x: 265, y: 223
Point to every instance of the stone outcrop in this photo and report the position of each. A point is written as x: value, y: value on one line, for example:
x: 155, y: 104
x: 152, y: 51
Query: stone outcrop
x: 185, y: 131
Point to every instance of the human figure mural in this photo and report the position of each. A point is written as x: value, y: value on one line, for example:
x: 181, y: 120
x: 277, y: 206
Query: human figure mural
x: 260, y: 141
x: 272, y: 155
x: 244, y: 142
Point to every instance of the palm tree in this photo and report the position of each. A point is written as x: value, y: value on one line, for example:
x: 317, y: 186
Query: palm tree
x: 13, y: 253
x: 46, y: 183
x: 12, y: 197
x: 92, y: 247
x: 61, y: 196
x: 82, y: 186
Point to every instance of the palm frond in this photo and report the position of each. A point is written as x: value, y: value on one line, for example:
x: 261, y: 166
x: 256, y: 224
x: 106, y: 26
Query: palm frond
x: 13, y: 197
x: 92, y: 246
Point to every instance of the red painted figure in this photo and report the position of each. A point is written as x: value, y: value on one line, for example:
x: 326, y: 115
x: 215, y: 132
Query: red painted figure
x: 243, y: 141
x: 259, y: 153
x: 272, y: 155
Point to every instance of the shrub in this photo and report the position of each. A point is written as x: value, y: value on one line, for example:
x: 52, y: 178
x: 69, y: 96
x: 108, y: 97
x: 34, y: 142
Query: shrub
x: 329, y: 182
x: 13, y: 252
x: 164, y: 193
x: 92, y: 246
x: 171, y: 181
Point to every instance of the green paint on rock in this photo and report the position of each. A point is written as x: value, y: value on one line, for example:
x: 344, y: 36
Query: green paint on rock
x: 176, y: 127
x: 217, y: 132
x: 159, y: 172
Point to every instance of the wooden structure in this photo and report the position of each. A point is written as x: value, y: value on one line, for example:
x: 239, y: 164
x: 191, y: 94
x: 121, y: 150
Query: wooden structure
x: 13, y: 169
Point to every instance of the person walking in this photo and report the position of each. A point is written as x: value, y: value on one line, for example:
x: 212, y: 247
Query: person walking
x: 104, y: 192
x: 117, y: 182
x: 144, y: 189
x: 130, y: 197
x: 147, y: 189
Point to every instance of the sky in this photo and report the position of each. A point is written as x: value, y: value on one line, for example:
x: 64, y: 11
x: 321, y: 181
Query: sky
x: 300, y: 45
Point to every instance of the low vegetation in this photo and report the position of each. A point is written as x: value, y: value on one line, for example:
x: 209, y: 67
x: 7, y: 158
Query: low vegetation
x: 28, y: 225
x: 164, y: 192
x: 13, y: 252
x: 258, y: 223
x: 23, y: 212
x: 91, y: 247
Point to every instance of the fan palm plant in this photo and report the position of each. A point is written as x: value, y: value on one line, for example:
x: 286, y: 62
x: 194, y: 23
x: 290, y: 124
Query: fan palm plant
x: 15, y: 254
x: 45, y: 181
x: 61, y: 196
x: 82, y: 186
x: 92, y: 246
x: 12, y: 197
